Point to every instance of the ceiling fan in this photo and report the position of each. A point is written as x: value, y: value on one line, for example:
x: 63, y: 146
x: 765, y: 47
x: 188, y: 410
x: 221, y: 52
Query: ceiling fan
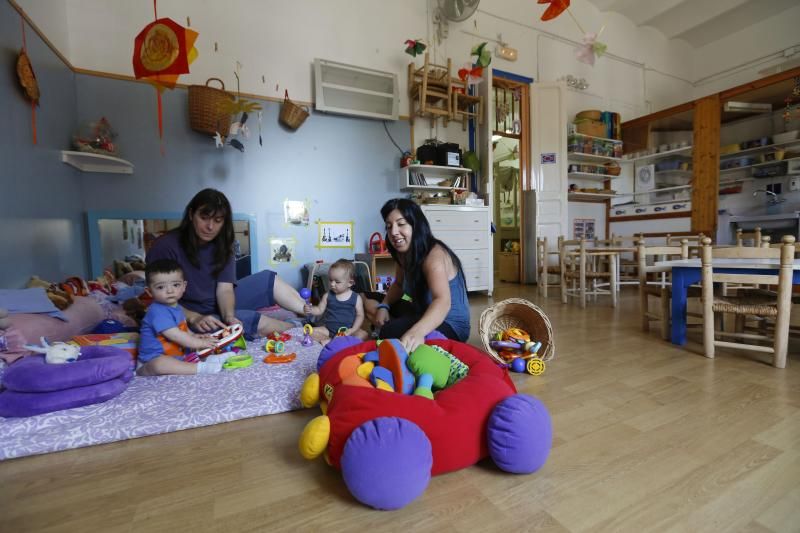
x: 452, y: 10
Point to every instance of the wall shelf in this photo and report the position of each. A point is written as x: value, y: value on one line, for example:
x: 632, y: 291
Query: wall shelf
x: 758, y: 149
x: 580, y: 156
x: 87, y: 162
x: 590, y: 176
x: 428, y: 177
x: 685, y: 151
x: 618, y: 141
x: 590, y: 196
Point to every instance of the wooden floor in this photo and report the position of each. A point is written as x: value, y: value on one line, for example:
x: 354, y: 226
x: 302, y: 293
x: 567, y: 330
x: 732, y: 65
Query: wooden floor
x: 647, y: 437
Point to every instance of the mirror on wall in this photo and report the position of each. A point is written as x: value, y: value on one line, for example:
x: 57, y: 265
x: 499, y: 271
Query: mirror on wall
x: 121, y: 235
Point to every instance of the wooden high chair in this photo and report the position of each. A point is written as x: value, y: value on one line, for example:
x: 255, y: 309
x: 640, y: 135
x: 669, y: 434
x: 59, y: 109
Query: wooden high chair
x: 543, y: 268
x: 430, y: 90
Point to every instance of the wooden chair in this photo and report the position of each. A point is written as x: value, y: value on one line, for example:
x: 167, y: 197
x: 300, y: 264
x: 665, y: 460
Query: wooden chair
x: 753, y: 236
x: 465, y: 106
x: 662, y: 286
x: 628, y: 263
x: 763, y: 305
x: 576, y: 268
x: 430, y: 87
x: 544, y: 269
x: 695, y: 242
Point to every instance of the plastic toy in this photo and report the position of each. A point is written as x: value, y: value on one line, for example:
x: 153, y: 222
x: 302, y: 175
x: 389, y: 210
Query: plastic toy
x: 226, y: 337
x: 376, y: 244
x: 307, y: 331
x: 275, y: 346
x: 388, y: 445
x: 238, y: 361
x: 284, y: 337
x: 57, y: 353
x: 274, y: 359
x: 342, y: 331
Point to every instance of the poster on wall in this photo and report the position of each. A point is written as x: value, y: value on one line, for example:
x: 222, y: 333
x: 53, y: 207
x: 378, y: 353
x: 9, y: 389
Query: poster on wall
x: 583, y: 228
x: 295, y: 212
x: 335, y: 234
x: 282, y: 250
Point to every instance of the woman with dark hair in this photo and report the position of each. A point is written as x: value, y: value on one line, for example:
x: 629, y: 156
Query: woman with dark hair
x: 428, y: 273
x: 203, y: 247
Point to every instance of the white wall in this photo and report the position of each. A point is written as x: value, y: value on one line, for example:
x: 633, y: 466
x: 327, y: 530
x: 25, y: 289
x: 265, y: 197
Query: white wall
x: 756, y: 44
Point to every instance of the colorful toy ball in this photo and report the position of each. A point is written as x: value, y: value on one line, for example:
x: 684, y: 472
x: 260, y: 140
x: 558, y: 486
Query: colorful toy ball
x: 305, y: 293
x: 518, y: 365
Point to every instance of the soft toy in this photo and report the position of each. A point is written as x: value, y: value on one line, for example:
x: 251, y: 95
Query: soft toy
x: 388, y: 444
x: 75, y: 285
x: 59, y: 297
x: 444, y: 368
x: 57, y: 353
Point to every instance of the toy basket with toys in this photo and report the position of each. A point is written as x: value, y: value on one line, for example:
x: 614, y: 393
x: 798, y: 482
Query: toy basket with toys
x: 520, y: 314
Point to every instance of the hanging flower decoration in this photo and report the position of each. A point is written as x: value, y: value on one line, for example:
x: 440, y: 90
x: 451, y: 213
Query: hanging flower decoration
x: 415, y: 47
x: 162, y: 51
x: 483, y: 55
x: 591, y: 48
x: 555, y: 8
x: 471, y: 74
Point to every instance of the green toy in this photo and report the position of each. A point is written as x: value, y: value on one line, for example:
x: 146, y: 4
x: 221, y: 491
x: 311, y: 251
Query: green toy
x: 444, y: 368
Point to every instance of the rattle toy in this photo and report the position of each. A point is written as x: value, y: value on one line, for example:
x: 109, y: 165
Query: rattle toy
x: 238, y: 361
x: 279, y: 336
x: 225, y: 338
x: 342, y: 331
x: 275, y: 346
x: 274, y: 359
x: 307, y: 331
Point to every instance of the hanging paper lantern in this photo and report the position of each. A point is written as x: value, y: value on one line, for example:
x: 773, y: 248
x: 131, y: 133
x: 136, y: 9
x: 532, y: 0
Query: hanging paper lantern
x: 162, y: 51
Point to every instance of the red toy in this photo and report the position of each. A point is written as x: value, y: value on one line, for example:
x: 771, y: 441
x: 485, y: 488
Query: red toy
x: 376, y: 244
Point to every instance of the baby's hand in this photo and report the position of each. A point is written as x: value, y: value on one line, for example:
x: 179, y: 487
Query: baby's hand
x: 307, y: 309
x: 201, y: 343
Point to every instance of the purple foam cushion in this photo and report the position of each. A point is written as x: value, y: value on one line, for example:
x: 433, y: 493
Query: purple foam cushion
x: 387, y: 462
x: 96, y: 364
x: 20, y: 404
x: 520, y: 434
x: 336, y: 345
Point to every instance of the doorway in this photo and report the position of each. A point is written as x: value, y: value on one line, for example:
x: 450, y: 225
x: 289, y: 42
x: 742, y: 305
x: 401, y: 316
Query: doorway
x: 511, y: 174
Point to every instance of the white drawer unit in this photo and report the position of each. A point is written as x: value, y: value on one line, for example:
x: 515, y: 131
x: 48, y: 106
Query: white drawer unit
x: 467, y: 231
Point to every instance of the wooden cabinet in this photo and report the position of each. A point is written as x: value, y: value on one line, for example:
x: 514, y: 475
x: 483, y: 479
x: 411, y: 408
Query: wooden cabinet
x: 466, y: 230
x: 380, y: 266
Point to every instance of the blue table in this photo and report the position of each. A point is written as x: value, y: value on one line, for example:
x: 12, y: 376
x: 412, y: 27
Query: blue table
x: 686, y: 272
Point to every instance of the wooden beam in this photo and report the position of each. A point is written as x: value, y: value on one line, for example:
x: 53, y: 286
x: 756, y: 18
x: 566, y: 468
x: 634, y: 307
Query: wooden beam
x: 646, y: 119
x: 733, y: 92
x: 705, y: 162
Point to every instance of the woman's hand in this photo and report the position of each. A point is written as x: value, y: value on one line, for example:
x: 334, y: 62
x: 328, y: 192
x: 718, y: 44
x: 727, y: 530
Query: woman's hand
x: 206, y: 323
x: 231, y: 320
x: 381, y: 317
x: 411, y: 340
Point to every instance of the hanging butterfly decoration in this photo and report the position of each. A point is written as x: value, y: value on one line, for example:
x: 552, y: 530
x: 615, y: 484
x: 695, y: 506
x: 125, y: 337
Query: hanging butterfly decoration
x: 162, y: 51
x: 244, y: 107
x: 471, y: 74
x: 591, y: 48
x: 414, y: 47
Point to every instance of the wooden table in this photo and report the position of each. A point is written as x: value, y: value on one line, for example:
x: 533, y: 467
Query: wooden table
x: 686, y: 272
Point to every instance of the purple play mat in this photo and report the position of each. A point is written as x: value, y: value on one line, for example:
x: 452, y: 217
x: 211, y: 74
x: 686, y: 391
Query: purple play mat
x: 154, y: 405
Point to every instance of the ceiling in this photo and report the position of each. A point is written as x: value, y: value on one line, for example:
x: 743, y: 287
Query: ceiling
x: 698, y: 22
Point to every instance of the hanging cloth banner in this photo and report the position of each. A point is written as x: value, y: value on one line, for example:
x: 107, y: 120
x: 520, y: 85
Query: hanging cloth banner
x: 162, y: 51
x: 28, y: 79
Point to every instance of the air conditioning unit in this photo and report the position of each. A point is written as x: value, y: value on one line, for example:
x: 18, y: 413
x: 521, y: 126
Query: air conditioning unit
x: 746, y: 107
x: 356, y: 91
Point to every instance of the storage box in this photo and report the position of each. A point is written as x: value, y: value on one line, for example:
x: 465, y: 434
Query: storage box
x: 595, y: 128
x: 509, y: 267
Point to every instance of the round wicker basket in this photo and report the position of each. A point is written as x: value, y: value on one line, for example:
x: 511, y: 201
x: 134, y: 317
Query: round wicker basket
x: 292, y: 115
x: 207, y: 113
x: 517, y: 313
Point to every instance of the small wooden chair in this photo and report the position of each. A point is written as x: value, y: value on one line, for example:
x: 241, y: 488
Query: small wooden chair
x: 465, y: 106
x: 662, y: 286
x: 576, y: 268
x: 544, y: 269
x: 753, y: 236
x: 762, y: 305
x: 430, y: 87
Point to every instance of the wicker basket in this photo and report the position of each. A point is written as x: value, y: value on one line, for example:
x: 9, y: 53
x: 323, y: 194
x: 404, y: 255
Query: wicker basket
x: 517, y: 313
x: 292, y: 115
x: 207, y: 113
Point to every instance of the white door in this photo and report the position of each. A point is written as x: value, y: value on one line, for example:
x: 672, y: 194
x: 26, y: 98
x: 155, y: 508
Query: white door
x: 549, y: 160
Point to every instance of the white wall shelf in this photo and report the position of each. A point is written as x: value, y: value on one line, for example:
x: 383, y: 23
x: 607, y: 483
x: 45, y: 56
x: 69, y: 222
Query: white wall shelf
x: 590, y: 176
x: 758, y: 150
x: 590, y: 196
x: 726, y: 170
x: 351, y: 90
x: 580, y: 156
x: 616, y: 141
x: 86, y: 162
x: 685, y: 151
x: 428, y: 177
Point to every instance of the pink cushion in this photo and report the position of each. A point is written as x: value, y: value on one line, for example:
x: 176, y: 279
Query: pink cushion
x: 82, y: 317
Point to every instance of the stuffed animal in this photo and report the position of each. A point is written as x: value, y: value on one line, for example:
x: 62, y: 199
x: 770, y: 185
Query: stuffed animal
x: 59, y: 297
x: 57, y: 353
x: 5, y: 322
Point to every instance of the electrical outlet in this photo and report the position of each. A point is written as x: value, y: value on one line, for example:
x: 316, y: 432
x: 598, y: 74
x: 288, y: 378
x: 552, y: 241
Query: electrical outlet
x: 794, y: 184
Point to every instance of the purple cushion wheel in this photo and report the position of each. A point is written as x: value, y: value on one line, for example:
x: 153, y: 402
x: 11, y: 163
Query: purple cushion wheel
x: 336, y: 345
x: 96, y: 364
x: 387, y: 462
x: 520, y: 434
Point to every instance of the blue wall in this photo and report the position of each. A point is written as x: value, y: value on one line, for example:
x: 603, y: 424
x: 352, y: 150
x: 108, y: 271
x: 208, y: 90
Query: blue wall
x: 41, y: 206
x: 346, y: 167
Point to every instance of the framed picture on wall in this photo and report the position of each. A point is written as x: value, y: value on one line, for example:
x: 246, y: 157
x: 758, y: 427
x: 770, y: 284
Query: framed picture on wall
x: 281, y: 250
x: 335, y: 234
x: 583, y: 228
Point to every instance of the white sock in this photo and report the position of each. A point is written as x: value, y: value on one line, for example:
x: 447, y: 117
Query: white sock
x: 218, y: 358
x: 209, y: 367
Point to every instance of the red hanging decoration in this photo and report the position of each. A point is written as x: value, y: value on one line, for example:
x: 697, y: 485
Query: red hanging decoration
x: 162, y: 51
x: 555, y: 9
x: 27, y: 79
